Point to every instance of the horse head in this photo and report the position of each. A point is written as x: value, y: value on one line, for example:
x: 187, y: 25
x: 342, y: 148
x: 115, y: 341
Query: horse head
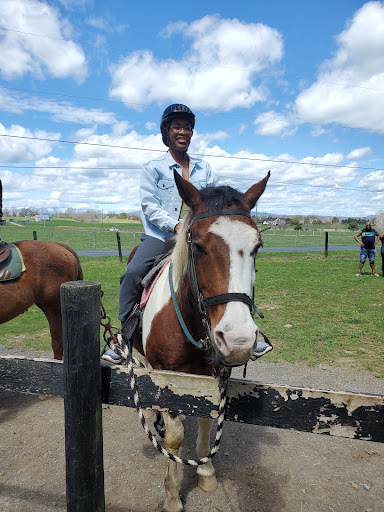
x: 223, y: 241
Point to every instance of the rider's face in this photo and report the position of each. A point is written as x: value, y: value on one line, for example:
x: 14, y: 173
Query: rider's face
x: 180, y: 133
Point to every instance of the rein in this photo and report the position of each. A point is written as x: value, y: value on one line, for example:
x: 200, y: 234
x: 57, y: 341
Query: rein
x: 131, y: 360
x: 204, y: 302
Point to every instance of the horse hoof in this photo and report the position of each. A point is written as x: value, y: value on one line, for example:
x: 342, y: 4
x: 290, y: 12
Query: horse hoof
x: 207, y: 483
x: 173, y: 505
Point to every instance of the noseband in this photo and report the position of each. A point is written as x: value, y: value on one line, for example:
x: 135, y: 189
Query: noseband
x: 204, y: 302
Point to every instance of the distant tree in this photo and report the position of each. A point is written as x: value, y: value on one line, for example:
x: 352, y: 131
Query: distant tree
x: 296, y: 219
x: 352, y: 225
x: 298, y: 227
x: 335, y: 220
x: 122, y: 215
x: 317, y: 221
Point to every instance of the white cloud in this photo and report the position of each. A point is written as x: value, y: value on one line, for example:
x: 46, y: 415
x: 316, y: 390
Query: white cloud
x: 14, y: 149
x: 359, y: 62
x: 46, y: 53
x: 359, y: 153
x: 108, y: 177
x: 271, y: 123
x: 204, y: 77
x: 59, y: 110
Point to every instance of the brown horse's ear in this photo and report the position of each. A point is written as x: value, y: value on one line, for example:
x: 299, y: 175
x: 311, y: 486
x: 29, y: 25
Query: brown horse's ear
x: 188, y: 192
x: 252, y: 194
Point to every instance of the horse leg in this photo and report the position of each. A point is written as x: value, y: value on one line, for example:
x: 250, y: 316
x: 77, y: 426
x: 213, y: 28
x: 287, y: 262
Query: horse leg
x: 205, y: 473
x: 174, y: 436
x: 53, y: 315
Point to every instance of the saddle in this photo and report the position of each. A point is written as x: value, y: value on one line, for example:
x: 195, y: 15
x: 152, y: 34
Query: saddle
x: 11, y: 262
x: 4, y: 251
x: 148, y: 283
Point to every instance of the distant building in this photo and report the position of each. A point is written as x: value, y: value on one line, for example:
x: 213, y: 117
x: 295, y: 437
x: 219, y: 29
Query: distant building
x: 42, y: 218
x: 275, y: 222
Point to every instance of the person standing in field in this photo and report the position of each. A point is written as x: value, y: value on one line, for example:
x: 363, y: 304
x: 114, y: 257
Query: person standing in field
x: 369, y: 239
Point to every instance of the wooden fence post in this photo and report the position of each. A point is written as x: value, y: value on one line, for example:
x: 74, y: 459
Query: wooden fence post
x: 119, y: 246
x: 34, y: 235
x: 326, y: 244
x: 82, y: 396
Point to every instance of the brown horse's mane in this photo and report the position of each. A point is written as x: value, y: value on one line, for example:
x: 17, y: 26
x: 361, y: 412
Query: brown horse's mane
x: 213, y: 199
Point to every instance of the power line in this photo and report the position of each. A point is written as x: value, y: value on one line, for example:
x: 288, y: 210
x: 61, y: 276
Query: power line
x: 220, y: 176
x: 241, y: 158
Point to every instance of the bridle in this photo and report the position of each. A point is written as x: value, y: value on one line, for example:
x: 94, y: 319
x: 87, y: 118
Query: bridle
x: 214, y: 300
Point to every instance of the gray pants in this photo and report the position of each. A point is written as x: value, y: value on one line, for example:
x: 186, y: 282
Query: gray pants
x: 136, y: 270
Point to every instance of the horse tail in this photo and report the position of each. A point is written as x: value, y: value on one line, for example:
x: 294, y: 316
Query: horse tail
x: 80, y: 275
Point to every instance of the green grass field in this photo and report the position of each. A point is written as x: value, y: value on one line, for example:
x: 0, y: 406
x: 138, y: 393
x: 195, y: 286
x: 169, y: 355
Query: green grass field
x: 96, y: 236
x: 316, y: 311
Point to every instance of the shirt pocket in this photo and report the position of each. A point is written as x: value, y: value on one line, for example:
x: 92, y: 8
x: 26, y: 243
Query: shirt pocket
x: 165, y: 190
x: 199, y: 184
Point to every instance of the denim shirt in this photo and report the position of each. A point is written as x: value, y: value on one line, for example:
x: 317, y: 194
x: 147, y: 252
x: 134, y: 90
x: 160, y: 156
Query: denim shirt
x: 160, y: 199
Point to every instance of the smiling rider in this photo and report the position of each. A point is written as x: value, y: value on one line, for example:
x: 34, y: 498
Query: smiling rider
x: 162, y: 208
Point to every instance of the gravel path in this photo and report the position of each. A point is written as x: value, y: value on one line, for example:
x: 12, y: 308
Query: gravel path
x: 259, y: 469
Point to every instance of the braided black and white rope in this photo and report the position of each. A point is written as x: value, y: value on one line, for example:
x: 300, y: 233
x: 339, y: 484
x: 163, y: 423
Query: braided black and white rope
x: 220, y: 421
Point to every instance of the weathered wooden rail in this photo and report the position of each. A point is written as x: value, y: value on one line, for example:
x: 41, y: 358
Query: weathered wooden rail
x: 352, y: 415
x: 85, y: 384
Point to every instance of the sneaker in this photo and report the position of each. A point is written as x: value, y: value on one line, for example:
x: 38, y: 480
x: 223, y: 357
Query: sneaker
x: 111, y: 356
x: 358, y: 274
x: 261, y: 349
x: 117, y: 351
x: 375, y: 274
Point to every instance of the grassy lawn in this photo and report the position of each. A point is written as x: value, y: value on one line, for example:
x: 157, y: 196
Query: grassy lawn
x: 316, y: 311
x: 87, y: 235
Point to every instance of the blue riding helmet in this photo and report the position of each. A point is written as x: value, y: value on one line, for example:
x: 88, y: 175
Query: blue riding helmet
x: 177, y: 110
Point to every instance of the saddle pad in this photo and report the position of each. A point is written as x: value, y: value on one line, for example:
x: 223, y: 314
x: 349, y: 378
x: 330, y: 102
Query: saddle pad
x: 148, y: 290
x: 13, y: 266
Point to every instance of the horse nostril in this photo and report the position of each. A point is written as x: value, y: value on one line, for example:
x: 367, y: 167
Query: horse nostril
x: 220, y: 341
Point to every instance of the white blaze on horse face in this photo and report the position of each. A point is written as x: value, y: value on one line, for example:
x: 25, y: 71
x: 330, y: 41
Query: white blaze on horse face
x: 235, y: 334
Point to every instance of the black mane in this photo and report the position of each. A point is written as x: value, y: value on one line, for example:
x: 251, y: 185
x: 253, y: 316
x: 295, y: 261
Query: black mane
x: 217, y: 198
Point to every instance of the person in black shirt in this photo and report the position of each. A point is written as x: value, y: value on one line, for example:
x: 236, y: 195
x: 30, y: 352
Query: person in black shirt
x: 368, y: 244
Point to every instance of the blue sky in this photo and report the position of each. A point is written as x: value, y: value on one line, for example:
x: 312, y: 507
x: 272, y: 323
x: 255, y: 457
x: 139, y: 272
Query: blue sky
x: 294, y: 87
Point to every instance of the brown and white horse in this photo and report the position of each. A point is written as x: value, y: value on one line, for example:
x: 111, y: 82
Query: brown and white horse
x: 48, y: 265
x: 213, y: 258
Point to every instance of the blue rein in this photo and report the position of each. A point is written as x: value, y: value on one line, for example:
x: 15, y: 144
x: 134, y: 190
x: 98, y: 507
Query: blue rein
x: 198, y: 344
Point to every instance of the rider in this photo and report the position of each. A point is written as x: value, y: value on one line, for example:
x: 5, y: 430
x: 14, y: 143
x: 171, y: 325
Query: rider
x: 162, y: 208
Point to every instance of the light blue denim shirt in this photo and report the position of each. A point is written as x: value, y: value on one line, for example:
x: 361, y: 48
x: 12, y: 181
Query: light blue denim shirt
x: 160, y: 199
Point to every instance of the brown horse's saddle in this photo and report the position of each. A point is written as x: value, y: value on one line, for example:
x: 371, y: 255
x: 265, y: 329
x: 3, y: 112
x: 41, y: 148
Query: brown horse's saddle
x: 11, y: 262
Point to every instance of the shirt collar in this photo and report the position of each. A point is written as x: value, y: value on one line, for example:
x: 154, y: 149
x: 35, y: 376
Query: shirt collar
x: 171, y: 161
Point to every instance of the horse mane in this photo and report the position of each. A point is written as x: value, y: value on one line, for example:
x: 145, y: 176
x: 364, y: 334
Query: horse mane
x: 213, y: 199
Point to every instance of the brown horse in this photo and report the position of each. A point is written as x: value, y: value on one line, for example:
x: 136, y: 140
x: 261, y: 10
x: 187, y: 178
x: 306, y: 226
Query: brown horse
x: 48, y: 265
x: 213, y: 276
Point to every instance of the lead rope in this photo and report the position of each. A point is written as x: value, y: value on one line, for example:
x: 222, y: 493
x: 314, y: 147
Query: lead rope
x: 131, y: 360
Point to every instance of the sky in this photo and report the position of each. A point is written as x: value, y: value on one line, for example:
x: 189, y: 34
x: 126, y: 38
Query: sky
x: 296, y: 88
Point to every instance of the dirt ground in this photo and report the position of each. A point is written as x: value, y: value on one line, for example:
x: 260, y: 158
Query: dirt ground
x: 258, y: 468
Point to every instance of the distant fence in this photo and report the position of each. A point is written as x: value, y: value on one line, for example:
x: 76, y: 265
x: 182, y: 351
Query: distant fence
x: 103, y: 239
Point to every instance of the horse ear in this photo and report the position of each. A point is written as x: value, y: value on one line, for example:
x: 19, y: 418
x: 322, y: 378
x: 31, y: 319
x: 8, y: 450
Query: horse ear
x: 252, y: 194
x: 188, y: 192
